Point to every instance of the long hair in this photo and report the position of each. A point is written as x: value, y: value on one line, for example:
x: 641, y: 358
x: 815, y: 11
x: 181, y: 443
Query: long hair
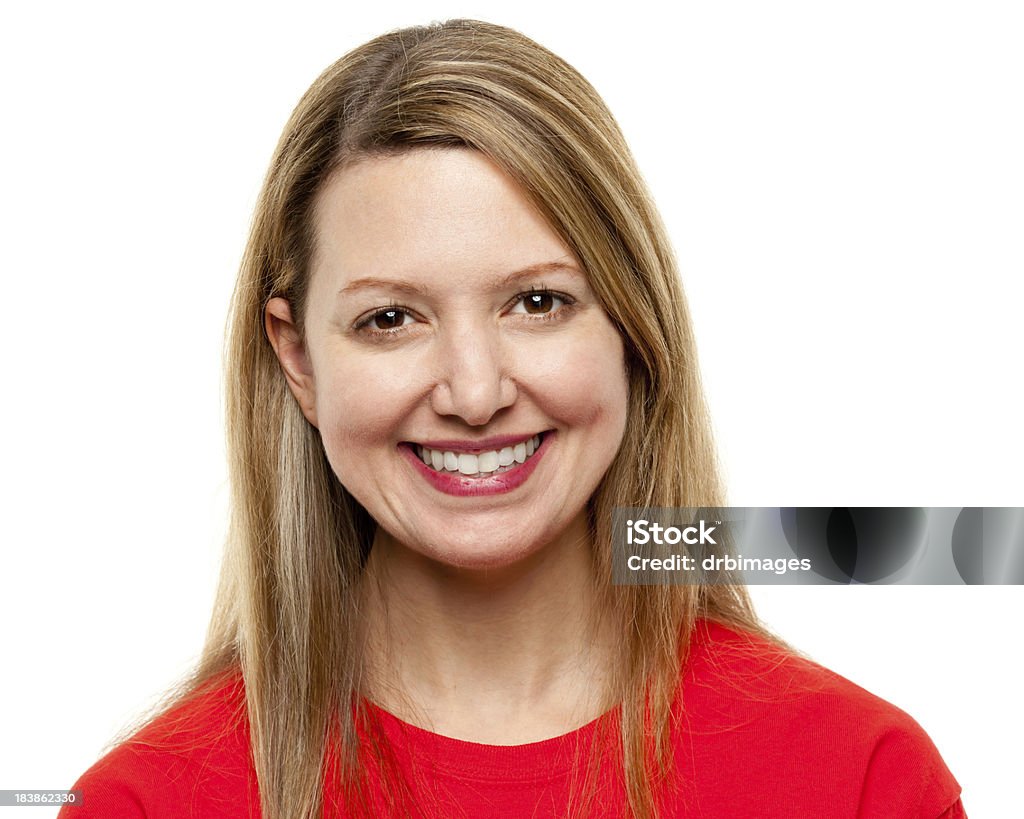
x: 286, y: 608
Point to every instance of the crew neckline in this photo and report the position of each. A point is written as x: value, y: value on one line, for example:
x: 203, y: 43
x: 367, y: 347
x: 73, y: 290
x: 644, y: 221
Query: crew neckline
x: 532, y: 761
x: 545, y: 759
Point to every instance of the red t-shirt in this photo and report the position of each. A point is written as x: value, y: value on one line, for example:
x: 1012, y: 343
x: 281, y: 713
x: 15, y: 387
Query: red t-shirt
x: 761, y: 734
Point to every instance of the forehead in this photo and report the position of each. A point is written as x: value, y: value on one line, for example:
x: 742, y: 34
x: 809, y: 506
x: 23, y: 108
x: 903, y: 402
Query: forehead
x: 425, y: 214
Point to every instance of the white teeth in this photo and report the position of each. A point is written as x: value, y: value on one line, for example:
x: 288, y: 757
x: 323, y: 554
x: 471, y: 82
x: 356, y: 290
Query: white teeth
x: 483, y: 463
x: 487, y: 461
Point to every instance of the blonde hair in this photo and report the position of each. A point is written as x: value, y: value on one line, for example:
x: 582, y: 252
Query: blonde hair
x: 285, y: 612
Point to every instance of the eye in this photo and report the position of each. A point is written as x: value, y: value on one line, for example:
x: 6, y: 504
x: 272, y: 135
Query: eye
x: 390, y: 318
x: 539, y: 303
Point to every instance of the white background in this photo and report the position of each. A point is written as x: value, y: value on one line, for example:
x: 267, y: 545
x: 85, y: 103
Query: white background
x: 844, y: 185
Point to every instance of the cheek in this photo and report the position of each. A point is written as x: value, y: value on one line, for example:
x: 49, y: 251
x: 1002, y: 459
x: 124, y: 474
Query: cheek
x: 359, y: 404
x: 585, y: 382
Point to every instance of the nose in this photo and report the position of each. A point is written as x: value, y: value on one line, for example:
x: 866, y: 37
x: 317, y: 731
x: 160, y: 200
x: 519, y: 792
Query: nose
x: 473, y: 380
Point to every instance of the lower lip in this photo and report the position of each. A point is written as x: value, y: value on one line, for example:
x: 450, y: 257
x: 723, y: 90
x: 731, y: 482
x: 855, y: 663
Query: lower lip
x: 454, y: 483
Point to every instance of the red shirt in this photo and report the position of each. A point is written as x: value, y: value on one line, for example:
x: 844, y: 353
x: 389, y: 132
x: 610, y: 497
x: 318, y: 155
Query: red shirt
x: 762, y: 734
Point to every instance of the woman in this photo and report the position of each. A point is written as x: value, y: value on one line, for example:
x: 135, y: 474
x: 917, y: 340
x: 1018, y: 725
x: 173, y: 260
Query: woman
x: 458, y: 341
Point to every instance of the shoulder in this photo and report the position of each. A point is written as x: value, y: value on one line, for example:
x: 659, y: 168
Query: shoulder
x: 192, y: 760
x: 755, y: 712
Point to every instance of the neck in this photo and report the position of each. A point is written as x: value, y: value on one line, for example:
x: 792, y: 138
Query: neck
x: 499, y: 655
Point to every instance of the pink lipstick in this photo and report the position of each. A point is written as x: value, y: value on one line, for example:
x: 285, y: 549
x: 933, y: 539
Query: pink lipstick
x: 455, y: 483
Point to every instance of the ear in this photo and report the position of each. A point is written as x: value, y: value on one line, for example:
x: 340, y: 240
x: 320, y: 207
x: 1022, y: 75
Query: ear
x: 291, y: 352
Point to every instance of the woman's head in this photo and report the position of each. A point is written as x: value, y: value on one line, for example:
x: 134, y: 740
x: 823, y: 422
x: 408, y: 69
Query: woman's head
x: 477, y: 87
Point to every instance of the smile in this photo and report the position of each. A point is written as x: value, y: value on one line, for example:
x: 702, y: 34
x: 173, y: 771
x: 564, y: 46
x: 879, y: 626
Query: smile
x: 488, y: 462
x: 467, y: 468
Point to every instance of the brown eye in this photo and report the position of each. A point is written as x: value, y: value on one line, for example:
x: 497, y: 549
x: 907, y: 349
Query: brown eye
x: 389, y: 319
x: 539, y: 303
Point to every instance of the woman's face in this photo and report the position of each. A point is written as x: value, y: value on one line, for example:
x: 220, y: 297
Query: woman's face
x: 469, y: 389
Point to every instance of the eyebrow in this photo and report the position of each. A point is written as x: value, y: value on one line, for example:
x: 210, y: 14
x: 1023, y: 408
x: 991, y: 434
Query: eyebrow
x: 373, y: 282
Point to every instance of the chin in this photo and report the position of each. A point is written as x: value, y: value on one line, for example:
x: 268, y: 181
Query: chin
x: 477, y: 556
x: 481, y: 545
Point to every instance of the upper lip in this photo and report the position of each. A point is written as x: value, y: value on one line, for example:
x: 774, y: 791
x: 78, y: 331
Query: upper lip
x: 481, y: 445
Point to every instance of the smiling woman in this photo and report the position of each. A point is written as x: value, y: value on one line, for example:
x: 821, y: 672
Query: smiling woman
x: 458, y: 341
x: 495, y: 356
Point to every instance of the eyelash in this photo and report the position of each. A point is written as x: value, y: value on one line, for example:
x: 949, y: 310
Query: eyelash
x: 364, y: 325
